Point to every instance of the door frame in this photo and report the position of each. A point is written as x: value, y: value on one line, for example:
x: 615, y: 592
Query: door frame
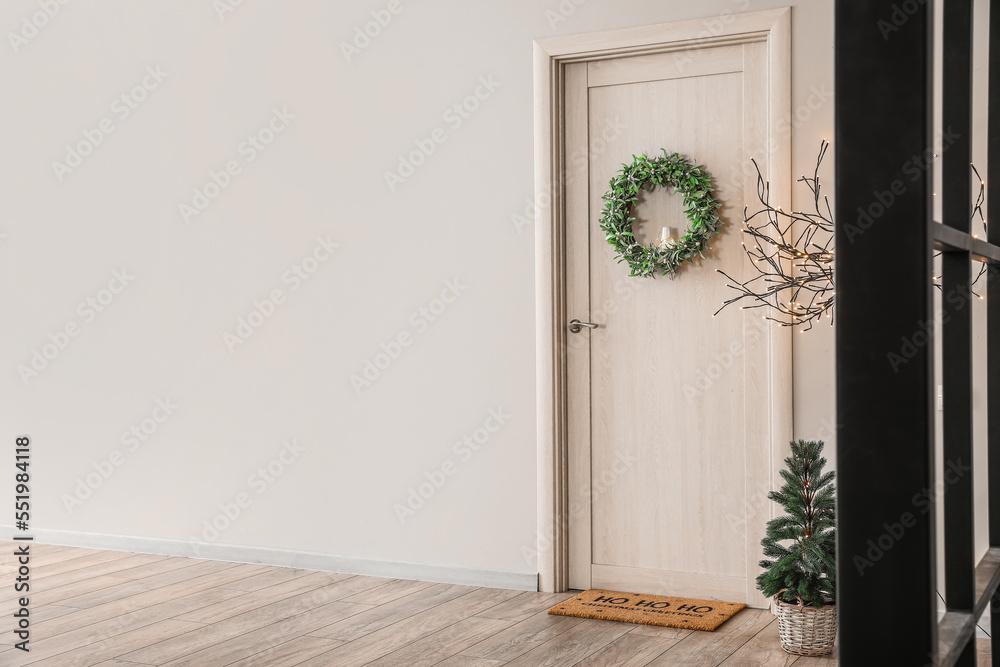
x: 550, y: 58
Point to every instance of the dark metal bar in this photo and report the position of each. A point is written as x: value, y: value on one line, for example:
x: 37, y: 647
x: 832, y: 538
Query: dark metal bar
x: 993, y: 312
x: 993, y: 380
x: 994, y: 625
x: 956, y: 116
x: 956, y: 321
x: 948, y: 238
x: 959, y: 505
x: 884, y: 371
x: 954, y: 631
x: 987, y: 579
x: 969, y: 654
x: 957, y: 628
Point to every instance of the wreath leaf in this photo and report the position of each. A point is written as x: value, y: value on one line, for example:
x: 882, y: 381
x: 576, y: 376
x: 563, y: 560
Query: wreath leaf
x: 694, y: 183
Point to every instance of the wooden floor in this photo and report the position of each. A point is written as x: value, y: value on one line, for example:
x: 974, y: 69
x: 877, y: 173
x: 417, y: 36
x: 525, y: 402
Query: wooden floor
x: 116, y: 609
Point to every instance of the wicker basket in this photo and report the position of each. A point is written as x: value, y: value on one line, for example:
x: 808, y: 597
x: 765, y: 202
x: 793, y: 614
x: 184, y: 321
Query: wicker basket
x: 807, y: 630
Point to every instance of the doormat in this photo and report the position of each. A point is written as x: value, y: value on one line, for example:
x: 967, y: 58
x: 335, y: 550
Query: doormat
x: 649, y: 609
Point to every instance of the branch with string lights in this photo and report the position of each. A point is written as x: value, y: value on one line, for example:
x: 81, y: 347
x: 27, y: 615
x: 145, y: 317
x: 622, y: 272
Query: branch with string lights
x: 977, y: 212
x: 792, y: 254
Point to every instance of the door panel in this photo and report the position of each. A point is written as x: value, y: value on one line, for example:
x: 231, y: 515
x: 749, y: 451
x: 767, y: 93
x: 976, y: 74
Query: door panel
x: 668, y: 408
x: 660, y: 67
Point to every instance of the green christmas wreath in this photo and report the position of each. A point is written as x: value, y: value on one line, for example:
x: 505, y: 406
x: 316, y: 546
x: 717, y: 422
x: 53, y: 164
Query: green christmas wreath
x: 693, y: 182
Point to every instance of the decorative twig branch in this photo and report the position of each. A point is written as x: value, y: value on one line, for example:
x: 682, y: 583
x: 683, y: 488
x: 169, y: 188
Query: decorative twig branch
x: 792, y: 254
x: 977, y: 212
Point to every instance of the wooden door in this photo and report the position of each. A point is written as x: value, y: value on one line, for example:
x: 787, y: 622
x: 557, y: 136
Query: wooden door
x: 672, y: 440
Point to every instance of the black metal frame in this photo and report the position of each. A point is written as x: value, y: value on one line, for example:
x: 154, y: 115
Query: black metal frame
x: 885, y: 345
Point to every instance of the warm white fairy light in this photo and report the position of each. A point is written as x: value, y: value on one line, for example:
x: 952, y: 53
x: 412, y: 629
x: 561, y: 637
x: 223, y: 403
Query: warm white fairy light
x: 977, y: 211
x: 795, y: 273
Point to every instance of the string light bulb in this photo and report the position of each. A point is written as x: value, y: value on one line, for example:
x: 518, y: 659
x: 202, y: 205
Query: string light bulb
x: 794, y: 276
x: 977, y: 211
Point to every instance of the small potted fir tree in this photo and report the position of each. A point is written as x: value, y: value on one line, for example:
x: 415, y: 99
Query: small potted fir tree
x: 800, y: 569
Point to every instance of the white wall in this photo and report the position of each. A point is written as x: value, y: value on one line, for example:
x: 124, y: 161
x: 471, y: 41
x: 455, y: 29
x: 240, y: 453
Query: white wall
x: 323, y: 176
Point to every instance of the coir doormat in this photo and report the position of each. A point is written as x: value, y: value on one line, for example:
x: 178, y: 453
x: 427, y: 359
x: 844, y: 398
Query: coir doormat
x: 649, y: 609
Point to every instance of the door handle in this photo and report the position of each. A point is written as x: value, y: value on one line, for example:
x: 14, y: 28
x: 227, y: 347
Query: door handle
x: 576, y: 326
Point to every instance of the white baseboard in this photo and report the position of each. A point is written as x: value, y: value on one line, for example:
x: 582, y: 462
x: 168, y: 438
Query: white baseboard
x: 445, y: 574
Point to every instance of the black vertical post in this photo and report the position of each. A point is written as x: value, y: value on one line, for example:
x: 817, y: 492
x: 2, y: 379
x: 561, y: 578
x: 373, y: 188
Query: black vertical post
x: 993, y: 310
x: 885, y: 544
x: 956, y: 315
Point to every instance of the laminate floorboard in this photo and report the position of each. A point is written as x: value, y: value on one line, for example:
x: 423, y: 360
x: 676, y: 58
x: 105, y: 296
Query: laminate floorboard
x: 95, y: 608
